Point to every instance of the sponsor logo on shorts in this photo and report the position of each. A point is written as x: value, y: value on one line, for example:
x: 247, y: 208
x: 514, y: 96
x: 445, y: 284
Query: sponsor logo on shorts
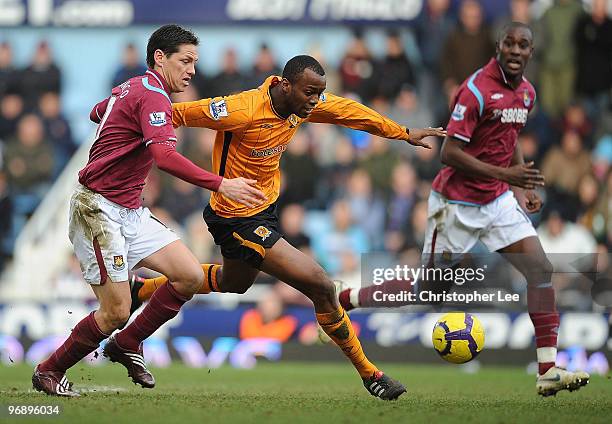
x: 218, y: 109
x: 118, y: 263
x: 268, y: 152
x: 157, y: 119
x: 262, y: 232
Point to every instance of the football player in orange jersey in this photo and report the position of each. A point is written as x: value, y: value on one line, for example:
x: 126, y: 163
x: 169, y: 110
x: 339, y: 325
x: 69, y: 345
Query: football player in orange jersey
x: 253, y: 129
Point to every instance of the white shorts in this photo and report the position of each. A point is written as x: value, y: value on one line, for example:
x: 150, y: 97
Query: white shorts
x: 109, y: 239
x: 454, y: 228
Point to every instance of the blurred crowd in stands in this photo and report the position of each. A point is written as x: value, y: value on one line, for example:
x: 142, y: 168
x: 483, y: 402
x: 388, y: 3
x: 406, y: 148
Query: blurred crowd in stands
x: 345, y: 192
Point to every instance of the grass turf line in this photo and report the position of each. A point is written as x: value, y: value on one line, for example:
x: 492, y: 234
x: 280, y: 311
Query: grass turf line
x: 289, y: 392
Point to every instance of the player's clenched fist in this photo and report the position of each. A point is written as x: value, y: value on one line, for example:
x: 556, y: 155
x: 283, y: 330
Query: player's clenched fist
x: 242, y: 190
x: 523, y: 175
x: 417, y: 134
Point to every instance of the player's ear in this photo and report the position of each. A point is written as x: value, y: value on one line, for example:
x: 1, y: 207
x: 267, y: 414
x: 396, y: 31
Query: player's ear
x: 159, y: 57
x: 286, y: 85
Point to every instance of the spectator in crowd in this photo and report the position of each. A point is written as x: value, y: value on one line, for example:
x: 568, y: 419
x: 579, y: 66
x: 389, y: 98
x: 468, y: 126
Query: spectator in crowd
x: 593, y: 38
x: 292, y: 226
x: 230, y: 80
x: 415, y: 236
x: 401, y: 202
x: 457, y: 61
x: 408, y: 108
x: 367, y: 207
x: 264, y: 66
x: 564, y: 166
x: 337, y: 174
x: 358, y: 69
x: 341, y: 235
x: 11, y: 109
x: 29, y: 159
x: 42, y: 75
x: 131, y: 65
x: 559, y: 235
x: 57, y: 129
x: 432, y: 29
x: 377, y: 163
x: 427, y: 164
x: 267, y: 320
x: 588, y: 194
x: 8, y: 73
x: 395, y: 70
x: 557, y: 59
x: 300, y: 170
x: 575, y: 119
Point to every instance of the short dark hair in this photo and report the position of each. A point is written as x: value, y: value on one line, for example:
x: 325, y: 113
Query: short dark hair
x: 510, y: 26
x: 168, y: 39
x: 296, y: 66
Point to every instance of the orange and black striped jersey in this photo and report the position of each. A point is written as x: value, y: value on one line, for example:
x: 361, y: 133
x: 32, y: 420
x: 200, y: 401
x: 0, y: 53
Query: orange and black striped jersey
x: 251, y: 136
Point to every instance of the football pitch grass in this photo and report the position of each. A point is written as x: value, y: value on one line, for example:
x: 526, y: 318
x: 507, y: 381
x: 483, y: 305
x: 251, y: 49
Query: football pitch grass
x: 288, y: 392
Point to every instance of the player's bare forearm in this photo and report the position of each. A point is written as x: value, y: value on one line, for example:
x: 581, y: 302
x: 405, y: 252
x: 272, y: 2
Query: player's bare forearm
x: 522, y: 175
x: 517, y: 157
x: 452, y: 155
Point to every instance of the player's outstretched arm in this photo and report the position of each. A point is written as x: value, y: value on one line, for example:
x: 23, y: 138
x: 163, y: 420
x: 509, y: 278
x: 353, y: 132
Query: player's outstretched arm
x: 238, y: 189
x: 338, y: 110
x: 519, y: 175
x: 227, y: 113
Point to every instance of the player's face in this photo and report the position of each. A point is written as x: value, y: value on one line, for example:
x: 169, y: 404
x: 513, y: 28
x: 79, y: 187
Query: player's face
x: 514, y: 50
x: 305, y: 93
x: 178, y: 68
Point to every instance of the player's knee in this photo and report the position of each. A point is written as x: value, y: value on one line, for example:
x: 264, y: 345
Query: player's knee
x: 189, y: 282
x: 540, y: 272
x: 116, y: 315
x: 545, y: 269
x: 323, y: 289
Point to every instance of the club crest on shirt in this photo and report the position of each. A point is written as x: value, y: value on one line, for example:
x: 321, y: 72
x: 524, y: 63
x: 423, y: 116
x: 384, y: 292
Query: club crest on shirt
x: 118, y: 263
x: 218, y: 109
x: 262, y: 232
x: 322, y: 97
x: 526, y: 98
x: 458, y: 112
x: 157, y: 119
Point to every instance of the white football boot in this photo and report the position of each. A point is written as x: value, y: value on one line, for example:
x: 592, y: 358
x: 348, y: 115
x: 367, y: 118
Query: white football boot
x: 556, y: 379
